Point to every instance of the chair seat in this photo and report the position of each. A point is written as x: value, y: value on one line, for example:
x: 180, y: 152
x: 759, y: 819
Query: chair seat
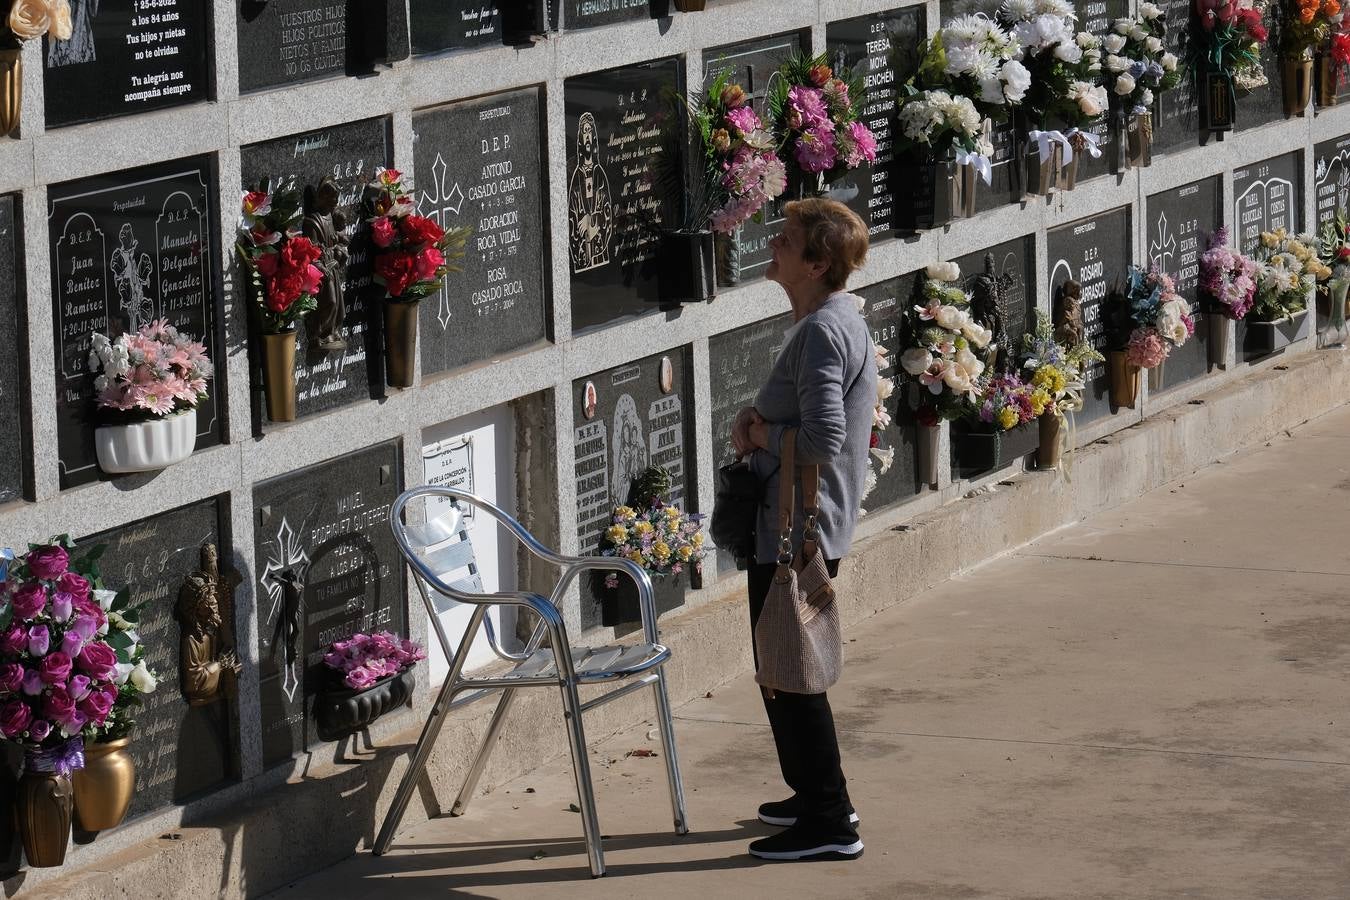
x: 594, y: 664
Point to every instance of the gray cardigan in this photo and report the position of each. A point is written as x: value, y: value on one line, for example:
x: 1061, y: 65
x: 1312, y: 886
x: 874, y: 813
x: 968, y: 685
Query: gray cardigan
x: 825, y: 383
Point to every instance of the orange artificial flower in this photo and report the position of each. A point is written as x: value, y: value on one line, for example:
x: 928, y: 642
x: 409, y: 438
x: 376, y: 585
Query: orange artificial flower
x: 1331, y: 8
x: 1306, y: 15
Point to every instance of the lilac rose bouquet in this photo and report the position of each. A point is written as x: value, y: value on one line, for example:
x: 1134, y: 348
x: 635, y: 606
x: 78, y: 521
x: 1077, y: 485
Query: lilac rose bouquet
x: 364, y: 659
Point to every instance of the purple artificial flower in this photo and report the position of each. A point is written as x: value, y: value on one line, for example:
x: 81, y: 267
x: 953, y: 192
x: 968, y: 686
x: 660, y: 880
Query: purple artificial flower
x: 810, y: 106
x: 39, y: 640
x: 816, y: 151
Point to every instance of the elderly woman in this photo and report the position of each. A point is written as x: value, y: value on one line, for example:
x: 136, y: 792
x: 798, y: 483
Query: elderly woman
x: 824, y: 383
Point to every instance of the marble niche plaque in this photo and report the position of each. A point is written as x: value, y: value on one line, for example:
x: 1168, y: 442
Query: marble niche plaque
x: 626, y: 419
x: 293, y: 41
x: 349, y: 153
x: 739, y: 362
x: 1179, y: 224
x: 126, y: 249
x: 883, y: 49
x: 125, y: 57
x: 1017, y: 258
x: 1331, y: 179
x: 753, y: 65
x: 12, y: 386
x: 590, y: 13
x: 617, y: 122
x: 180, y: 750
x: 1177, y: 116
x: 1266, y: 196
x: 324, y: 531
x: 479, y: 164
x: 1095, y: 252
x: 1095, y: 17
x: 437, y: 25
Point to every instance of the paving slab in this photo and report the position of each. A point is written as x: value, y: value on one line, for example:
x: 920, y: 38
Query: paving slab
x: 1106, y: 713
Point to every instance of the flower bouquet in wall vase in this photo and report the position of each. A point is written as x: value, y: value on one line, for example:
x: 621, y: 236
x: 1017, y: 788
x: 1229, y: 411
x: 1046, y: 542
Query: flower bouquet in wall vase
x: 370, y: 675
x: 1139, y: 70
x: 813, y: 109
x: 1148, y: 323
x: 283, y: 280
x: 999, y: 426
x: 413, y: 255
x: 736, y: 171
x: 1226, y: 58
x: 1287, y: 276
x: 1055, y: 362
x: 149, y: 385
x: 1334, y: 251
x: 1064, y: 98
x: 58, y: 674
x: 1228, y: 286
x: 1332, y: 60
x: 1308, y: 26
x: 24, y: 20
x: 942, y: 360
x: 968, y: 80
x: 104, y: 788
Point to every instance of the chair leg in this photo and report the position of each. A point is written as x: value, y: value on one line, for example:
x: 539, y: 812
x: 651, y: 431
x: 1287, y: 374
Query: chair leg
x: 667, y: 726
x: 581, y: 766
x: 430, y: 731
x: 494, y: 729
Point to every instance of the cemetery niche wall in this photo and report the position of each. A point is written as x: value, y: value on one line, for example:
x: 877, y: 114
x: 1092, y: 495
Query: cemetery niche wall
x: 1179, y: 223
x: 127, y: 249
x: 1331, y: 180
x: 286, y: 42
x: 437, y: 25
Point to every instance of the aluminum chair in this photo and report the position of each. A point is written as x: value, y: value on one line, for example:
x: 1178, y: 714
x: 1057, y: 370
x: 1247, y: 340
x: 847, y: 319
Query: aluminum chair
x: 443, y: 567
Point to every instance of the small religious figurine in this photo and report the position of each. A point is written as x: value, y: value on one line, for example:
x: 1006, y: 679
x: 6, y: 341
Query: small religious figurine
x: 324, y: 225
x: 989, y: 307
x: 209, y: 664
x: 1068, y: 317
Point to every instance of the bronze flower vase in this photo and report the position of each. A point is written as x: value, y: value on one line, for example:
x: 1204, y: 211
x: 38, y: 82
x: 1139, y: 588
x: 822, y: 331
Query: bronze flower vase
x: 45, y: 802
x: 11, y: 89
x: 1328, y: 80
x: 279, y: 375
x: 1297, y: 85
x: 105, y: 786
x: 927, y: 453
x: 400, y: 341
x: 1139, y: 140
x: 1124, y: 379
x: 1047, y: 454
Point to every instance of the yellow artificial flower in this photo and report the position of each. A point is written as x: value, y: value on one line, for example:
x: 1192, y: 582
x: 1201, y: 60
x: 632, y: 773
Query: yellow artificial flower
x: 626, y: 513
x: 1007, y: 418
x: 661, y: 550
x: 636, y: 556
x: 1040, y: 399
x: 685, y: 553
x: 697, y: 539
x: 643, y: 528
x: 672, y: 512
x: 617, y: 534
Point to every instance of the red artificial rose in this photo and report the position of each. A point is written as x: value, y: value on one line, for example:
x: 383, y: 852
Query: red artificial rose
x: 13, y: 640
x: 48, y: 563
x: 397, y: 270
x: 29, y: 600
x: 267, y: 264
x: 96, y: 706
x: 77, y: 586
x: 58, y: 705
x: 14, y: 718
x: 382, y: 231
x: 420, y: 230
x: 299, y: 252
x: 11, y: 678
x: 55, y: 668
x: 1340, y: 50
x: 427, y: 262
x: 874, y: 440
x: 99, y: 660
x: 310, y: 279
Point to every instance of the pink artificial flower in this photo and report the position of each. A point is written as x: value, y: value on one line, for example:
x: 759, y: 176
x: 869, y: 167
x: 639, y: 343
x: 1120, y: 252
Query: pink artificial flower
x: 359, y: 679
x: 383, y: 232
x: 58, y: 705
x: 96, y: 706
x: 39, y: 640
x: 72, y: 643
x: 864, y: 145
x: 157, y: 400
x: 807, y: 102
x: 32, y: 682
x: 74, y: 584
x: 14, y: 718
x: 79, y: 686
x: 62, y: 606
x: 13, y: 640
x: 816, y: 151
x: 427, y: 262
x: 99, y: 660
x: 1146, y: 348
x: 47, y: 563
x: 11, y: 678
x: 39, y: 729
x: 55, y: 668
x: 744, y: 119
x: 86, y: 625
x: 29, y: 601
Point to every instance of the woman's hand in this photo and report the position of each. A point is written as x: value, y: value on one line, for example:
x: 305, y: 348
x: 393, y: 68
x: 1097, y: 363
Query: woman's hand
x: 743, y: 431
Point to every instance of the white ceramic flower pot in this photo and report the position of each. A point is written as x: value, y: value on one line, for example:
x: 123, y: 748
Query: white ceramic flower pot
x: 146, y: 446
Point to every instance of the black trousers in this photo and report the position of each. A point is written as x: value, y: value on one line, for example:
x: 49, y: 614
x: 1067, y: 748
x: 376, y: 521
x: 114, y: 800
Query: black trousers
x: 803, y: 732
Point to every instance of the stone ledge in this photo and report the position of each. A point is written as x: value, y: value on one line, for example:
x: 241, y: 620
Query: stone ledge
x: 235, y: 847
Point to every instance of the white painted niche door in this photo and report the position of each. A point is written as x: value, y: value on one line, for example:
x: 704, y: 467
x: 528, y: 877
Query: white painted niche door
x: 476, y: 453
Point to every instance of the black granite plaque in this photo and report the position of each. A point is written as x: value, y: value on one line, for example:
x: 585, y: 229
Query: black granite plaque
x: 752, y: 65
x: 350, y: 153
x: 590, y: 13
x: 125, y: 57
x: 1095, y: 17
x: 1180, y: 222
x: 739, y: 362
x: 1095, y: 252
x: 1177, y: 117
x: 293, y: 41
x: 126, y: 249
x: 1266, y: 196
x: 627, y: 419
x: 12, y: 386
x: 325, y: 529
x: 479, y: 165
x: 884, y: 307
x: 883, y: 49
x: 453, y: 24
x: 617, y: 123
x: 1017, y: 258
x: 1331, y: 179
x: 180, y: 750
x: 1265, y: 104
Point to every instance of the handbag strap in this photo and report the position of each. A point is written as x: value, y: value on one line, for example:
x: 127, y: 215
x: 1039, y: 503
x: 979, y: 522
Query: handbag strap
x: 787, y: 496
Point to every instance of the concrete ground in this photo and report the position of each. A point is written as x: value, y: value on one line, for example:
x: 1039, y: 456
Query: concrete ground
x: 1151, y: 704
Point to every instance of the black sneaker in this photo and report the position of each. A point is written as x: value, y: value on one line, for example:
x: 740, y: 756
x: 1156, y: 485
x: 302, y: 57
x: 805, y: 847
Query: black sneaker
x: 785, y: 812
x: 801, y: 844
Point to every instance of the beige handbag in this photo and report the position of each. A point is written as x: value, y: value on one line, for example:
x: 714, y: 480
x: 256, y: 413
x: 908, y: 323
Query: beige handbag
x: 797, y: 637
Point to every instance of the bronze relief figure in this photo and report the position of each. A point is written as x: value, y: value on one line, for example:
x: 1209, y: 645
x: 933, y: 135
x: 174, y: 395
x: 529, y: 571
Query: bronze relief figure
x: 207, y: 657
x: 325, y: 226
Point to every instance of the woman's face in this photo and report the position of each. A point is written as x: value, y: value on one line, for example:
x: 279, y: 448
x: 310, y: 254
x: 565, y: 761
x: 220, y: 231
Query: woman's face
x: 787, y: 266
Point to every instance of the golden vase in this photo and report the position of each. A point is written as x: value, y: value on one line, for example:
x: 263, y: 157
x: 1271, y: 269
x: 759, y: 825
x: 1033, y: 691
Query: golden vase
x: 1328, y: 80
x: 105, y: 786
x: 400, y: 341
x: 1297, y: 85
x: 1124, y: 379
x: 279, y: 375
x: 11, y: 89
x: 1047, y: 454
x: 43, y: 808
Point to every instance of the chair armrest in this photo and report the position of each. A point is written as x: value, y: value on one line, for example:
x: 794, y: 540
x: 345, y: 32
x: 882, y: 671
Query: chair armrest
x: 575, y: 565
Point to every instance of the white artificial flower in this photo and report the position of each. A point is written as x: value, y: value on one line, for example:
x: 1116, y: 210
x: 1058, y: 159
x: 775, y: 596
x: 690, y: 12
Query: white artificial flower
x: 1061, y: 9
x: 885, y: 457
x: 1124, y: 84
x: 101, y: 383
x: 1114, y: 43
x: 1149, y: 11
x: 1146, y: 99
x: 1016, y: 79
x: 1069, y: 53
x: 963, y: 30
x: 948, y: 317
x: 885, y: 387
x: 916, y: 361
x: 1138, y: 33
x: 104, y: 598
x: 1169, y: 62
x: 1117, y: 63
x: 144, y: 681
x: 1087, y: 40
x: 1122, y: 26
x: 961, y: 58
x: 1017, y: 10
x: 1152, y: 44
x: 957, y: 379
x: 991, y: 90
x: 123, y: 673
x: 943, y: 271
